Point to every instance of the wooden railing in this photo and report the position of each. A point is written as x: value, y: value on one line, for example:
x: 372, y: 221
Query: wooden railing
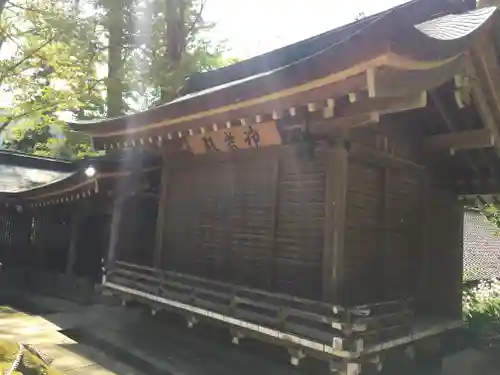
x: 338, y: 330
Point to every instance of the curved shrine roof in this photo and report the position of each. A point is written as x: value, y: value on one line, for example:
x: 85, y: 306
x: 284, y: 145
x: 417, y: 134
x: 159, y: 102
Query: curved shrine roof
x: 418, y: 37
x: 39, y: 181
x: 20, y: 173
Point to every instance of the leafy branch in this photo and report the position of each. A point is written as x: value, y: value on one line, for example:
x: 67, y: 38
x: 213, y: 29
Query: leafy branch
x: 26, y: 57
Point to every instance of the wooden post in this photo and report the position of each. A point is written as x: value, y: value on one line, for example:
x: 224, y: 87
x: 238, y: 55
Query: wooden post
x: 40, y: 237
x: 162, y: 213
x: 424, y: 274
x: 335, y: 212
x: 274, y: 218
x: 70, y: 262
x: 114, y: 231
x: 386, y: 233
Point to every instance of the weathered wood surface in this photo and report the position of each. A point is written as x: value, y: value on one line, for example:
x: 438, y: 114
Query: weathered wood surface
x: 259, y: 219
x: 324, y: 323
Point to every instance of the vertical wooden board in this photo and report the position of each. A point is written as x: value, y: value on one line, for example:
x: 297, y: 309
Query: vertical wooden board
x: 72, y: 248
x: 57, y: 238
x: 221, y: 218
x: 252, y: 220
x: 366, y: 136
x: 215, y: 191
x: 114, y: 232
x: 300, y: 223
x: 363, y: 232
x: 198, y: 218
x: 6, y: 235
x: 181, y: 219
x: 91, y: 248
x: 162, y: 202
x: 404, y: 207
x: 36, y: 238
x: 445, y: 240
x: 336, y: 170
x: 136, y: 237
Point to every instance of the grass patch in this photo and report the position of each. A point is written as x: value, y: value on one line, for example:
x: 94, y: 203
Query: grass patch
x: 30, y: 364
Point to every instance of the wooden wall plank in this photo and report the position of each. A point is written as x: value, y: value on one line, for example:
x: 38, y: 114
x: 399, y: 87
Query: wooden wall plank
x: 300, y: 227
x: 72, y: 249
x: 252, y: 224
x: 335, y: 224
x: 444, y: 223
x: 404, y: 205
x: 364, y: 228
x: 161, y: 212
x: 274, y: 215
x: 242, y: 219
x: 116, y: 217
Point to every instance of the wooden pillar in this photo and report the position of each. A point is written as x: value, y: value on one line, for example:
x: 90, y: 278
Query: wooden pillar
x: 41, y: 218
x: 386, y: 234
x: 162, y: 213
x: 72, y: 251
x: 425, y: 262
x: 274, y: 218
x: 335, y: 214
x: 114, y: 231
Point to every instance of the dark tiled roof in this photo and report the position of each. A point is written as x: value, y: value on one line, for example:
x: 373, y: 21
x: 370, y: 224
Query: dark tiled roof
x: 411, y: 12
x: 481, y: 247
x: 243, y: 89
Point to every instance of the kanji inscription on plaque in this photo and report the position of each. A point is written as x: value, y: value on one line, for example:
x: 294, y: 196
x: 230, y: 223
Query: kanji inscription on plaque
x: 235, y: 138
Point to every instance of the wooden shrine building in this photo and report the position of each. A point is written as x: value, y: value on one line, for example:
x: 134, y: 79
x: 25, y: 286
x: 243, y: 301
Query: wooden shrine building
x: 55, y: 217
x: 311, y: 197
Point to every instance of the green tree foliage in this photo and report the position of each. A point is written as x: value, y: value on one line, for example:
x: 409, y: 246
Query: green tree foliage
x: 161, y: 42
x: 91, y: 59
x: 50, y: 69
x: 492, y: 213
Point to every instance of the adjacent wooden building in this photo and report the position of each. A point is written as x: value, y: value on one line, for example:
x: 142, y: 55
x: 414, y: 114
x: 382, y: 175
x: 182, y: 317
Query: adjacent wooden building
x: 313, y: 196
x: 481, y: 247
x: 55, y: 218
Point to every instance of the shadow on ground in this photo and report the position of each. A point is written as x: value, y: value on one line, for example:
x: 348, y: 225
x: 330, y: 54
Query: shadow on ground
x: 131, y: 341
x: 159, y: 345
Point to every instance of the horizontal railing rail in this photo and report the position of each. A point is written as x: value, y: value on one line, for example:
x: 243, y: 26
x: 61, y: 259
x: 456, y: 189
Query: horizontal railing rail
x: 347, y: 330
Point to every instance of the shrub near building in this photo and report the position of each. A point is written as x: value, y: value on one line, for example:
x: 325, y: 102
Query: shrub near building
x: 481, y: 307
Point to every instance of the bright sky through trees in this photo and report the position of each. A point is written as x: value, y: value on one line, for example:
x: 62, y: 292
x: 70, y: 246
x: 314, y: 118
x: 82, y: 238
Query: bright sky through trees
x: 258, y: 26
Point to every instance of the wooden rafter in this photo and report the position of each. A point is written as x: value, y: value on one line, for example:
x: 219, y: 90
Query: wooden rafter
x: 463, y: 140
x: 384, y: 105
x: 381, y: 158
x: 487, y: 60
x: 440, y: 106
x: 478, y: 92
x: 482, y: 67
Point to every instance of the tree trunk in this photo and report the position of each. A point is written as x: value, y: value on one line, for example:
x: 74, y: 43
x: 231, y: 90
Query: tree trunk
x: 114, y: 84
x: 175, y: 40
x: 2, y: 6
